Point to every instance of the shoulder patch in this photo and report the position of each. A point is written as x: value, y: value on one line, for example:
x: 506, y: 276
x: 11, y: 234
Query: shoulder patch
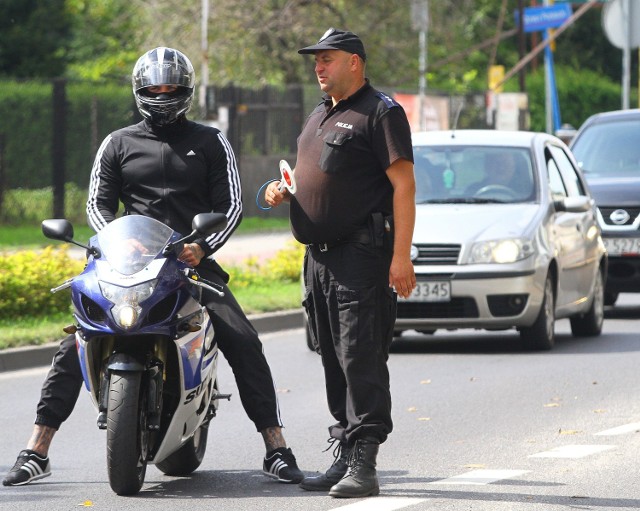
x: 388, y: 100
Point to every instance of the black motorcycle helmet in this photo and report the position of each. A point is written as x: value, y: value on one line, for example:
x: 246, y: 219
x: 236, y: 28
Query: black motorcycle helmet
x: 163, y: 66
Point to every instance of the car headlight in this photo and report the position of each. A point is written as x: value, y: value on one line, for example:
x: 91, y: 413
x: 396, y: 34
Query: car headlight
x: 501, y: 251
x: 126, y: 300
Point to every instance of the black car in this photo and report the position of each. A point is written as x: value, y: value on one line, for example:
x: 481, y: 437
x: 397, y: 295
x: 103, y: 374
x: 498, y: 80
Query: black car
x: 607, y: 147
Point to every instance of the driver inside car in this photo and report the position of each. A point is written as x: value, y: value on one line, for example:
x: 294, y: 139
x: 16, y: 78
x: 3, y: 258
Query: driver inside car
x: 505, y: 172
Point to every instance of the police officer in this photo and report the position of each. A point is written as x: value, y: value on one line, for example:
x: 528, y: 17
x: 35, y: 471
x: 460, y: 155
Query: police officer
x: 354, y: 208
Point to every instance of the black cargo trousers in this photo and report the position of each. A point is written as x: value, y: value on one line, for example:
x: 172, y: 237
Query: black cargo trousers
x: 351, y: 312
x: 236, y: 338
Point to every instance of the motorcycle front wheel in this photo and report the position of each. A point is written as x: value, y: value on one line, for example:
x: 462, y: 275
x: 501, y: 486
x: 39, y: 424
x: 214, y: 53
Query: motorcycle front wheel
x: 188, y: 458
x: 127, y: 433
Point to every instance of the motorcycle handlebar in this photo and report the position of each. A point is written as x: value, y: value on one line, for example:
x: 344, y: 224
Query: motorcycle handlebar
x: 194, y: 279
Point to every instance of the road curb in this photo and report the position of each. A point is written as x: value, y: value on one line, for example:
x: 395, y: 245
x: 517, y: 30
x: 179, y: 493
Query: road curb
x: 27, y: 357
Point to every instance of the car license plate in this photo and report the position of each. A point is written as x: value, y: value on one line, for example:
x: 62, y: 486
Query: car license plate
x: 431, y: 291
x: 622, y: 246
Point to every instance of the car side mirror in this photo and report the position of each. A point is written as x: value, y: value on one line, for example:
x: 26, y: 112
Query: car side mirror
x: 579, y: 204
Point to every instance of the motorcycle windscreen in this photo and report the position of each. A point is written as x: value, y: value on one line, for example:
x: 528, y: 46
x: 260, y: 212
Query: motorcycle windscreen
x: 131, y: 242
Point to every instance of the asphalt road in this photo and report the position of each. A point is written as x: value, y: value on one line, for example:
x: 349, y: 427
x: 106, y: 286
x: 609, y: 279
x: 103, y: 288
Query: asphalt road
x: 479, y: 425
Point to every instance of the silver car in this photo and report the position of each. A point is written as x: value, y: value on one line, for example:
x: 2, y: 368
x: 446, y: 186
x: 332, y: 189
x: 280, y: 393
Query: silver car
x: 506, y: 237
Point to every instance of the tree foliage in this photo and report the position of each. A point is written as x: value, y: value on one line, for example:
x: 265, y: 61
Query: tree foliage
x: 580, y: 94
x: 255, y: 42
x: 106, y: 37
x: 33, y: 41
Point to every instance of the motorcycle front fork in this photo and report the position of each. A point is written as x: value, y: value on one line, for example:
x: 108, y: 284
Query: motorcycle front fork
x: 153, y: 376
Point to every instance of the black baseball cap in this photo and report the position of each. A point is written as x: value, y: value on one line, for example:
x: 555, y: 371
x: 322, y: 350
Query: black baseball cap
x: 334, y: 39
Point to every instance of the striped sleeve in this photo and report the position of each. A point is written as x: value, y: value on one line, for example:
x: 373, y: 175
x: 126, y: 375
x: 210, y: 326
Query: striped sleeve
x: 229, y: 186
x: 102, y: 193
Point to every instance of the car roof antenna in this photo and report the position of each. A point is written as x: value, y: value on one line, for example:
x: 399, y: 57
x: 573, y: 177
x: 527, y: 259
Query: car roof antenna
x: 455, y: 120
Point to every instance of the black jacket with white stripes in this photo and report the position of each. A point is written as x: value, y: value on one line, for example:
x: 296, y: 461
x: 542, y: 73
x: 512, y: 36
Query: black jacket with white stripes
x: 169, y: 173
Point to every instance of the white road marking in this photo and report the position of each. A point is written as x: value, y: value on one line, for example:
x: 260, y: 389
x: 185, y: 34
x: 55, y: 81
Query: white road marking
x: 479, y: 477
x: 621, y: 430
x: 572, y: 451
x: 380, y: 504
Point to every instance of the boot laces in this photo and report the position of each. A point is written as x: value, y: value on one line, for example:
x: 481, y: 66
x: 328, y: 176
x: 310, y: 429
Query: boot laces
x: 356, y: 458
x: 339, y: 449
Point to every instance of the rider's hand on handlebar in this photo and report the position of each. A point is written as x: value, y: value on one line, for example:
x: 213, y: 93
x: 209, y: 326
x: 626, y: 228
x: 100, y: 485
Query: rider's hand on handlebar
x: 274, y: 196
x: 191, y: 254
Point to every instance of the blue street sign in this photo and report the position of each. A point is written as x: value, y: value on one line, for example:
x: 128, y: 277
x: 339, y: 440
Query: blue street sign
x: 542, y: 18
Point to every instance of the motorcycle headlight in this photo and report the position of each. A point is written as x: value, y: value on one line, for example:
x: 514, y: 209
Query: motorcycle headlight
x: 126, y: 300
x: 500, y: 251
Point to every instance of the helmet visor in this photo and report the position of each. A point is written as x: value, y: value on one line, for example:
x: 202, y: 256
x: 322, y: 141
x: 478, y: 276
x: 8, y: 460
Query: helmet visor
x: 163, y: 66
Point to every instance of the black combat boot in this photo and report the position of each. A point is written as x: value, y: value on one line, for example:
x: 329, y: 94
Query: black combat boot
x: 361, y: 479
x: 336, y: 471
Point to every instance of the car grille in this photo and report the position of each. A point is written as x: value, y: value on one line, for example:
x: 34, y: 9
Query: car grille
x: 606, y: 215
x: 464, y: 307
x: 433, y: 253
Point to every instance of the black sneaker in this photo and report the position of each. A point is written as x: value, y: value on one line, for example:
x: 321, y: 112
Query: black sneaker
x: 28, y: 467
x: 281, y: 465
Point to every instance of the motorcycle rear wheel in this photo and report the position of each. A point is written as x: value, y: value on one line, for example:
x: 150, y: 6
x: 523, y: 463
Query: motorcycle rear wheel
x: 127, y: 433
x: 188, y: 458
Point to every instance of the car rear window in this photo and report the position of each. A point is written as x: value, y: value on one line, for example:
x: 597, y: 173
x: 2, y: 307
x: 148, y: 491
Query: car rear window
x: 609, y: 148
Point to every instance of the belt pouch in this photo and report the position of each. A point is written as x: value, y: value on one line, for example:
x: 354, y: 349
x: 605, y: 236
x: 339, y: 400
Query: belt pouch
x: 376, y: 226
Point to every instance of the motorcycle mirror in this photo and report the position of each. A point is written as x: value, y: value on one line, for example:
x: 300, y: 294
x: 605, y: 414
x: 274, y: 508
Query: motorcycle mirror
x: 58, y: 229
x: 203, y: 224
x: 61, y: 229
x: 208, y: 223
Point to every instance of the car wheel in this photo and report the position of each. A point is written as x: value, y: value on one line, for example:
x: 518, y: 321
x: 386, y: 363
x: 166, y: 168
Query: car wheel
x: 610, y: 298
x: 541, y: 335
x: 590, y: 323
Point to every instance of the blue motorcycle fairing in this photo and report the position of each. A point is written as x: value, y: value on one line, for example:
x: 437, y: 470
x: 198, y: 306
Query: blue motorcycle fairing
x: 168, y: 282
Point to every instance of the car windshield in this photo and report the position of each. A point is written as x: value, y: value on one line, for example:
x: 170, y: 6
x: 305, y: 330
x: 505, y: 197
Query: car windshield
x: 131, y: 242
x: 609, y: 149
x: 473, y: 174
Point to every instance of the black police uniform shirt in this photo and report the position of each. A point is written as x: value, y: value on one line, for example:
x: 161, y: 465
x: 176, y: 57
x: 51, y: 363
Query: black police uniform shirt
x: 343, y: 154
x: 169, y: 173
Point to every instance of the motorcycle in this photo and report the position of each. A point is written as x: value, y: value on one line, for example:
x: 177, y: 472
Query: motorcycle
x: 145, y: 344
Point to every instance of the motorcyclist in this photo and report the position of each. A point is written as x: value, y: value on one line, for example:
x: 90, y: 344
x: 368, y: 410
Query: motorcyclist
x: 169, y: 168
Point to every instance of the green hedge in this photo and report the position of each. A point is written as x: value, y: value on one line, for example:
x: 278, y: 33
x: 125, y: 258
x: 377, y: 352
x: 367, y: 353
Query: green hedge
x: 26, y: 110
x: 30, y: 207
x: 26, y: 280
x: 285, y: 266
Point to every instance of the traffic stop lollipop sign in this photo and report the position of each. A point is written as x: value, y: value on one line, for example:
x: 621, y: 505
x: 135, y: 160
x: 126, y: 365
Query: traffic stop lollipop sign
x: 288, y: 181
